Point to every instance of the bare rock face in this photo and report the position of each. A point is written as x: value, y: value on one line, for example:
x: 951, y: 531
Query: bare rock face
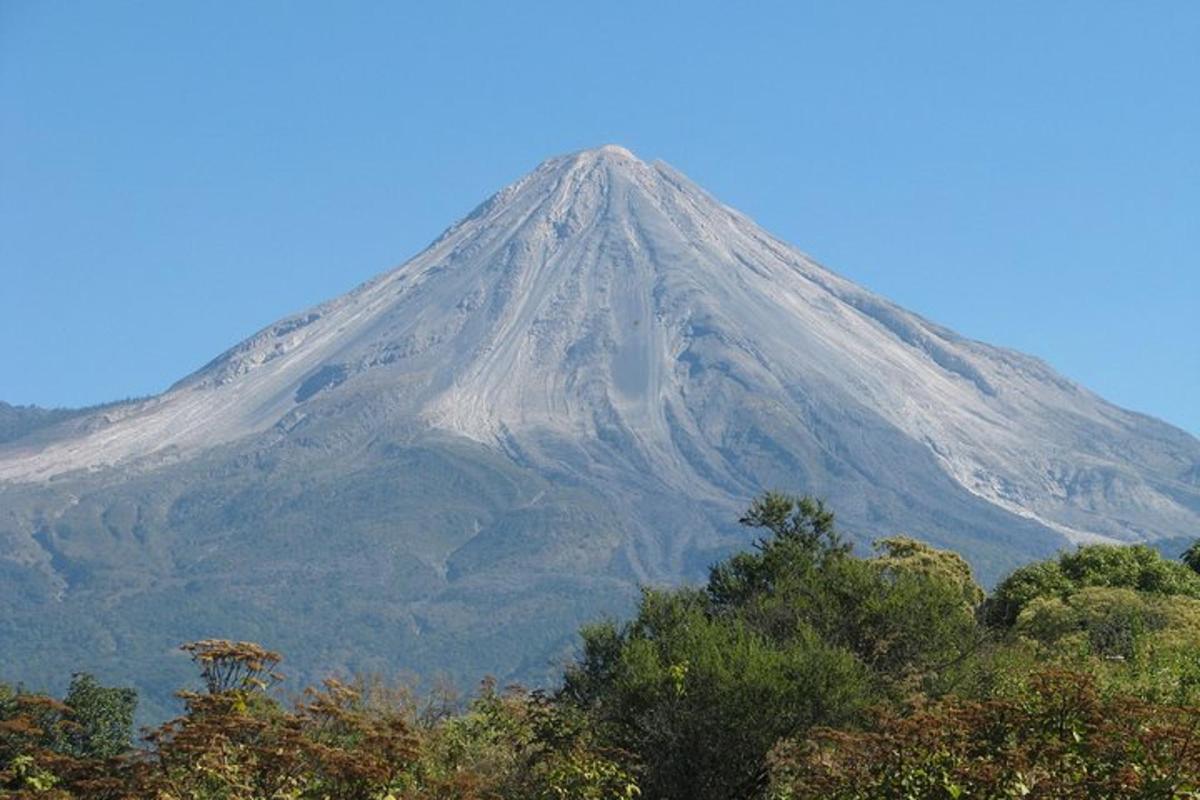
x: 571, y: 391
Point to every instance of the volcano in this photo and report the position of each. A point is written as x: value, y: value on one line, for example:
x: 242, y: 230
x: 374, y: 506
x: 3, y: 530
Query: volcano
x: 572, y: 392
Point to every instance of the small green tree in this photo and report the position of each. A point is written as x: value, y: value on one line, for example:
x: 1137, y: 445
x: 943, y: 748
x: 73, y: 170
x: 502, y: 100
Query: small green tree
x: 700, y: 698
x: 101, y: 717
x: 1191, y: 556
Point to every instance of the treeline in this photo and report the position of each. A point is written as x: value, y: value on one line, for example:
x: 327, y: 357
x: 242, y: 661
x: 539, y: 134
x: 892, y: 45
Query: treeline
x: 800, y: 670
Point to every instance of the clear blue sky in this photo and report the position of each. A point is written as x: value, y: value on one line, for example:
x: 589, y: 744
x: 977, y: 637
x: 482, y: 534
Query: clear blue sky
x: 174, y: 176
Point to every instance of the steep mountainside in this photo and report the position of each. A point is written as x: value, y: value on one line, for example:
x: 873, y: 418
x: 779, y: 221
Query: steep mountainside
x: 573, y: 390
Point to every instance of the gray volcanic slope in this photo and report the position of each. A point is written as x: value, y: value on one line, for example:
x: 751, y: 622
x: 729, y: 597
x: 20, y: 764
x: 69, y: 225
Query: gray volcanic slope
x: 573, y: 391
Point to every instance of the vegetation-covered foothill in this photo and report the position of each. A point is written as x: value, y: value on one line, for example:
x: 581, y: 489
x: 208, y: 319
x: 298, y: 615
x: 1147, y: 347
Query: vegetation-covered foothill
x: 800, y: 670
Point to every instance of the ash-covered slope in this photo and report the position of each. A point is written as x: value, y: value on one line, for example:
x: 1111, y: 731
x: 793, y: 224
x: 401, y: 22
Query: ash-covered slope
x: 609, y: 363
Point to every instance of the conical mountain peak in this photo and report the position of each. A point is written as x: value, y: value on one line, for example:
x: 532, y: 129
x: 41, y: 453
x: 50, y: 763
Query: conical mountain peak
x: 571, y: 177
x: 570, y: 185
x: 614, y: 150
x: 606, y: 165
x: 610, y: 159
x: 612, y: 154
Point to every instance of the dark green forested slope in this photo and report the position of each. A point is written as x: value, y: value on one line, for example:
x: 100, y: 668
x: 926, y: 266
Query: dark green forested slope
x: 19, y: 421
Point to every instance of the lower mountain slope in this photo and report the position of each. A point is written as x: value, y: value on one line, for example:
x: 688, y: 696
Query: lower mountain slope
x: 407, y: 549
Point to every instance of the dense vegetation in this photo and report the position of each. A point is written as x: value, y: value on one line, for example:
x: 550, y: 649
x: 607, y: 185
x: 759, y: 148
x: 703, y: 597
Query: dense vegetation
x: 19, y: 421
x: 800, y: 670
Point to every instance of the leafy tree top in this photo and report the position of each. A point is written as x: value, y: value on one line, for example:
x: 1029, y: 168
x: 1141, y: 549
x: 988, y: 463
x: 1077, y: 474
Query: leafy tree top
x: 899, y: 554
x: 1137, y: 567
x: 800, y: 536
x: 228, y: 666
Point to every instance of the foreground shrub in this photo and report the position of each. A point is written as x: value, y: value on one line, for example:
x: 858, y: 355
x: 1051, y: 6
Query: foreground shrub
x: 1063, y: 740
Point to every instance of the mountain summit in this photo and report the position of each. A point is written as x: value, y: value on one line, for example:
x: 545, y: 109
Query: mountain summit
x: 573, y: 390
